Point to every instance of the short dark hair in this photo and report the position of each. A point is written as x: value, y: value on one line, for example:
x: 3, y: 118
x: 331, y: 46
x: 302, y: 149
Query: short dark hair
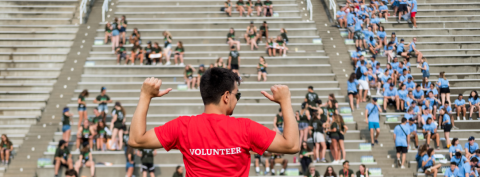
x: 215, y: 82
x: 404, y: 120
x: 346, y: 161
x: 474, y: 160
x: 71, y: 172
x: 310, y: 87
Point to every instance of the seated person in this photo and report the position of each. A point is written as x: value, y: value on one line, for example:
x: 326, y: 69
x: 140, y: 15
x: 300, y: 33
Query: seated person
x: 459, y: 159
x: 455, y: 147
x: 240, y: 7
x: 271, y: 47
x: 267, y: 8
x: 179, y: 51
x: 409, y: 82
x: 383, y: 10
x: 346, y: 171
x: 427, y: 111
x: 135, y: 36
x: 401, y: 49
x: 389, y: 97
x: 433, y: 102
x: 311, y: 172
x: 263, y: 31
x: 401, y: 97
x: 460, y: 107
x: 470, y: 147
x: 137, y: 52
x: 278, y: 158
x: 258, y: 7
x: 468, y: 168
x: 430, y: 132
x: 188, y: 76
x: 85, y: 159
x: 474, y: 102
x: 413, y: 131
x: 121, y: 52
x: 428, y: 163
x: 6, y: 148
x: 147, y: 50
x: 231, y: 39
x: 85, y: 135
x: 259, y: 159
x: 156, y: 54
x: 281, y: 46
x: 341, y: 19
x: 418, y: 94
x: 62, y: 158
x: 452, y: 171
x: 373, y: 46
x: 433, y: 90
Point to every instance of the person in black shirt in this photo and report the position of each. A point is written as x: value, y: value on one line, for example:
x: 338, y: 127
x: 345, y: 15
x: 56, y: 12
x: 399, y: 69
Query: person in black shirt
x: 135, y: 36
x: 305, y: 157
x: 117, y: 126
x: 137, y: 52
x: 317, y: 126
x: 234, y: 60
x: 85, y: 159
x: 147, y: 50
x: 263, y: 31
x: 188, y: 76
x: 179, y: 50
x: 258, y: 7
x: 85, y: 135
x: 283, y: 33
x: 101, y: 135
x: 102, y: 100
x: 156, y: 54
x: 121, y: 53
x: 231, y: 39
x: 312, y: 172
x: 62, y: 158
x: 267, y: 8
x: 281, y: 46
x: 178, y: 172
x: 66, y: 122
x: 130, y: 155
x: 201, y: 71
x: 108, y: 32
x: 123, y: 28
x: 228, y: 8
x: 71, y: 173
x: 249, y: 6
x: 82, y: 106
x: 240, y: 7
x: 147, y: 161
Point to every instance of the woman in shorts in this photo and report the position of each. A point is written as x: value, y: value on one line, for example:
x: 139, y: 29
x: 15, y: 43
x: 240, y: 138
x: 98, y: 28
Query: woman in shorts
x: 84, y: 135
x: 382, y: 36
x: 428, y: 163
x: 425, y: 71
x: 252, y: 37
x: 240, y: 7
x: 137, y: 52
x: 101, y: 135
x: 231, y: 39
x: 117, y: 125
x: 167, y: 40
x: 85, y: 159
x: 334, y: 131
x: 130, y: 154
x: 82, y: 106
x: 179, y: 51
x: 317, y: 126
x: 228, y: 8
x: 135, y: 36
x: 219, y: 63
x: 123, y: 29
x: 201, y: 71
x: 108, y: 32
x: 262, y: 69
x: 156, y: 54
x: 281, y: 46
x: 115, y: 34
x: 444, y: 86
x: 271, y: 47
x: 259, y: 7
x: 390, y: 51
x: 66, y: 124
x: 249, y: 5
x: 352, y: 91
x: 6, y: 148
x: 474, y: 102
x: 446, y: 123
x: 343, y: 130
x: 430, y: 132
x: 188, y: 76
x: 303, y: 117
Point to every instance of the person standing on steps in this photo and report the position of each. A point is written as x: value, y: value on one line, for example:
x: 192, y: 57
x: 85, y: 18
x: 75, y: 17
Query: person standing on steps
x: 361, y: 75
x: 278, y: 121
x: 224, y: 141
x: 413, y: 13
x: 312, y: 99
x: 401, y: 138
x: 102, y: 101
x: 413, y: 131
x: 234, y: 61
x: 372, y: 117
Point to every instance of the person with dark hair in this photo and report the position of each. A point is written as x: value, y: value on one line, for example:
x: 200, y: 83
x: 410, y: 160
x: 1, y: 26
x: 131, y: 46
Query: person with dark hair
x: 85, y: 135
x: 263, y: 31
x: 402, y: 95
x: 422, y: 151
x: 346, y: 171
x: 85, y: 159
x: 470, y: 147
x: 262, y: 69
x: 115, y: 34
x: 167, y: 46
x: 361, y: 74
x: 278, y: 121
x: 130, y: 158
x: 430, y: 132
x: 228, y: 150
x: 413, y: 131
x: 352, y: 91
x: 305, y: 157
x: 389, y: 97
x: 330, y: 172
x: 446, y: 123
x: 418, y: 94
x: 123, y: 28
x: 303, y: 117
x: 148, y: 167
x: 154, y: 54
x: 469, y: 168
x: 101, y: 135
x: 267, y: 8
x: 121, y: 53
x: 179, y: 51
x: 240, y: 7
x: 117, y: 125
x: 341, y: 141
x: 452, y: 171
x: 459, y: 159
x: 334, y: 130
x: 82, y: 107
x: 428, y: 163
x: 455, y: 147
x: 66, y: 124
x: 262, y: 159
x: 402, y: 141
x: 311, y: 172
x: 102, y: 100
x: 278, y: 158
x: 372, y: 118
x: 477, y: 155
x: 62, y: 157
x: 108, y: 32
x: 231, y: 39
x: 234, y: 60
x: 201, y: 71
x: 136, y: 52
x: 474, y: 101
x: 228, y: 8
x: 135, y: 36
x: 190, y: 80
x: 460, y: 107
x: 71, y: 173
x: 311, y: 99
x: 363, y: 171
x: 178, y: 172
x: 444, y: 86
x: 317, y: 125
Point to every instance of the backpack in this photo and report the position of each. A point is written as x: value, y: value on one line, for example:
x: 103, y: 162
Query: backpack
x: 358, y: 73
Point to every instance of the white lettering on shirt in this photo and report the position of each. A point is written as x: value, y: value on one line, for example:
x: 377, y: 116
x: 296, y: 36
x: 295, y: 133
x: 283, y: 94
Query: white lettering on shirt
x: 226, y: 151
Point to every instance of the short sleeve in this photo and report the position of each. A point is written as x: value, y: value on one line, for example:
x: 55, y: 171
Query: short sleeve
x: 168, y: 134
x: 98, y: 98
x: 57, y: 152
x: 260, y: 137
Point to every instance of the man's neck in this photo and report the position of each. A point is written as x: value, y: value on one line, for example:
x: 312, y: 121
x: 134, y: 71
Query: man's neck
x: 214, y: 109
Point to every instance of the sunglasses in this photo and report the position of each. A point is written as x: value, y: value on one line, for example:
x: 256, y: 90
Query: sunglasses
x: 238, y: 95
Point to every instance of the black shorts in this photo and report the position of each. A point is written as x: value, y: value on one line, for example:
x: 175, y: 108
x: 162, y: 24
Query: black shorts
x: 402, y: 7
x: 148, y: 167
x: 445, y: 90
x: 85, y: 142
x: 257, y: 156
x: 401, y: 149
x: 234, y: 66
x: 391, y: 101
x: 447, y: 127
x: 399, y: 53
x: 352, y: 93
x: 118, y: 125
x: 335, y: 137
x: 61, y: 164
x: 264, y: 34
x: 341, y: 137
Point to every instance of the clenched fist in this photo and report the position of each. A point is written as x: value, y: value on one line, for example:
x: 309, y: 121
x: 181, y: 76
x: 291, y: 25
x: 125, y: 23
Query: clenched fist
x: 151, y: 88
x: 281, y: 94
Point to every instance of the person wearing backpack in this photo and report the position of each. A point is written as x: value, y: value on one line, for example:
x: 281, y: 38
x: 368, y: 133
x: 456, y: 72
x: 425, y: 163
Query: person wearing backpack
x: 372, y: 117
x: 400, y: 137
x: 361, y: 76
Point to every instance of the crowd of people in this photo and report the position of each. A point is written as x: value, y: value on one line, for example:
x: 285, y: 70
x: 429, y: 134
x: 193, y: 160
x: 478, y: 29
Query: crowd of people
x: 265, y: 8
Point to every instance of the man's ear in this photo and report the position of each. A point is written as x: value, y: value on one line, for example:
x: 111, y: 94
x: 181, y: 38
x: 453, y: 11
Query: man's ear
x: 225, y: 97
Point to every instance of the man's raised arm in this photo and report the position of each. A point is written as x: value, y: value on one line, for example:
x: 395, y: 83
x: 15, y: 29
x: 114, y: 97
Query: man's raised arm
x: 139, y: 136
x: 288, y: 143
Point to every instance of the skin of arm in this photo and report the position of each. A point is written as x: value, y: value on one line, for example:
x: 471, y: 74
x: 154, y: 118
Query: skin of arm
x: 275, y: 123
x: 113, y: 121
x: 229, y: 62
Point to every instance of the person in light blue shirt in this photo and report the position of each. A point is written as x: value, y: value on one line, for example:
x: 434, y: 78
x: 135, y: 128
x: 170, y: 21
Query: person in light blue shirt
x: 446, y: 124
x: 410, y: 84
x: 430, y: 132
x: 356, y: 55
x: 401, y: 97
x: 452, y: 171
x: 350, y: 23
x: 352, y: 91
x: 401, y: 135
x: 447, y: 107
x: 470, y: 147
x: 401, y: 68
x: 426, y: 113
x: 386, y: 76
x: 358, y: 35
x: 459, y: 159
x: 444, y: 86
x: 413, y: 13
x: 418, y: 94
x: 455, y: 147
x: 412, y: 50
x: 389, y: 49
x: 477, y: 155
x: 432, y: 103
x: 383, y: 10
x: 390, y: 97
x: 341, y: 17
x: 409, y: 100
x: 413, y: 131
x: 375, y: 22
x: 395, y: 63
x: 372, y: 117
x: 378, y: 71
x: 474, y: 101
x: 402, y: 9
x: 433, y: 90
x: 368, y: 33
x: 401, y: 49
x: 363, y: 81
x: 373, y: 46
x: 428, y: 163
x: 406, y: 62
x: 460, y: 107
x: 468, y: 169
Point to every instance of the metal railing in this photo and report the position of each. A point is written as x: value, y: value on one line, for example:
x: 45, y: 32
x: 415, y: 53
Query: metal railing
x: 333, y: 6
x: 310, y: 8
x: 104, y: 9
x: 83, y: 10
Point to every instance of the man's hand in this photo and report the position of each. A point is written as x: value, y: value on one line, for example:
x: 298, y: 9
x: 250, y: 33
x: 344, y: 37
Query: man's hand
x: 281, y: 94
x: 151, y: 88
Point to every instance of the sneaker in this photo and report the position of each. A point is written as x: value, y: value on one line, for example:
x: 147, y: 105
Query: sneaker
x: 429, y: 169
x: 168, y: 63
x: 323, y: 161
x: 379, y: 94
x: 373, y: 144
x: 376, y: 141
x: 399, y: 162
x: 420, y: 170
x: 398, y: 21
x: 358, y: 107
x: 343, y: 160
x: 273, y: 174
x: 181, y: 64
x: 458, y: 118
x: 154, y: 63
x: 282, y: 174
x: 455, y: 127
x: 384, y: 110
x: 464, y: 118
x: 403, y: 167
x: 284, y: 55
x: 176, y: 64
x: 266, y: 173
x: 470, y: 118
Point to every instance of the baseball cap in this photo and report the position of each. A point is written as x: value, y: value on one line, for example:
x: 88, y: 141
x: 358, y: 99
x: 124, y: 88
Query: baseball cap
x: 374, y: 99
x: 251, y: 22
x: 410, y: 77
x: 149, y: 42
x: 118, y: 104
x: 458, y: 154
x: 411, y: 120
x: 201, y: 65
x: 393, y: 32
x: 460, y: 94
x: 66, y: 109
x: 402, y: 39
x: 392, y: 85
x: 471, y: 138
x: 374, y: 56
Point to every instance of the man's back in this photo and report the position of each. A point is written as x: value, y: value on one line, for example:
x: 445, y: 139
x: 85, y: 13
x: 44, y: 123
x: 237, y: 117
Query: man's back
x: 215, y: 145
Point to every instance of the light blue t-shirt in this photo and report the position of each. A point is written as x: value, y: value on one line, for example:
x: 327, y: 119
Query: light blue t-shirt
x: 403, y: 1
x: 454, y: 149
x: 385, y: 79
x: 363, y: 69
x: 442, y: 83
x: 408, y: 100
x: 400, y: 69
x: 367, y: 34
x: 410, y: 85
x: 401, y: 135
x: 417, y: 94
x: 459, y: 102
x: 429, y: 162
x: 378, y: 71
x: 373, y: 112
x: 416, y: 110
x: 446, y: 119
x: 350, y: 18
x: 434, y: 91
x: 402, y: 94
x: 400, y: 47
x: 372, y: 43
x: 404, y: 78
x: 341, y: 14
x: 382, y: 34
x: 450, y: 173
x: 474, y: 101
x: 358, y: 25
x: 414, y: 4
x: 394, y: 65
x: 375, y: 20
x: 390, y: 92
x: 425, y: 107
x: 432, y: 102
x: 466, y: 168
x: 471, y: 148
x: 427, y: 68
x: 413, y: 128
x: 449, y: 109
x: 352, y: 86
x: 384, y: 7
x: 460, y: 161
x: 411, y: 47
x: 430, y: 127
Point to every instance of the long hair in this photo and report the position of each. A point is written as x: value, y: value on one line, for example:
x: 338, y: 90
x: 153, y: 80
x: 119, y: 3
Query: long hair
x: 121, y: 109
x: 442, y: 75
x: 332, y: 95
x: 7, y: 141
x: 454, y: 141
x: 474, y: 97
x: 284, y: 30
x: 430, y: 152
x: 234, y: 29
x: 423, y: 148
x: 167, y: 34
x: 302, y: 148
x: 330, y: 174
x: 84, y: 93
x: 180, y: 44
x: 351, y: 78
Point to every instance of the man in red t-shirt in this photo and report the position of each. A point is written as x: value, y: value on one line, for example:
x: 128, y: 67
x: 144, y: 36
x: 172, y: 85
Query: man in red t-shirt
x: 213, y: 143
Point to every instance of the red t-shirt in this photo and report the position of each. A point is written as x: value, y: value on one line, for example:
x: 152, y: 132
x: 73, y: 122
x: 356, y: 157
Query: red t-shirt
x: 215, y: 145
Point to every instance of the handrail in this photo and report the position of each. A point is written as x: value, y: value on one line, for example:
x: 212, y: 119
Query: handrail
x: 83, y: 10
x: 104, y: 9
x: 334, y: 7
x: 310, y: 8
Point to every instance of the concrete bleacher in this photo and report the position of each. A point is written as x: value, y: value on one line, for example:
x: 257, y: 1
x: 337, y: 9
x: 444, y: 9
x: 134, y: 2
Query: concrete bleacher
x: 35, y: 37
x: 202, y: 29
x: 447, y: 36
